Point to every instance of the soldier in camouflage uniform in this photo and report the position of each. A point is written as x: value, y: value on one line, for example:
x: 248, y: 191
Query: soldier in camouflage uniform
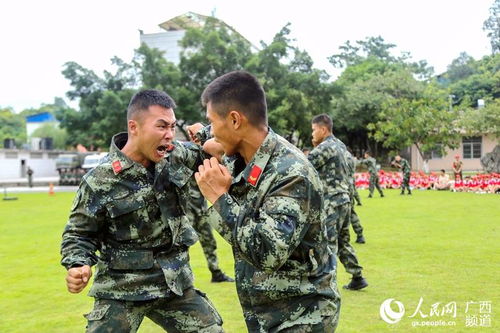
x: 130, y: 209
x: 354, y: 218
x: 329, y: 159
x: 371, y: 164
x: 355, y: 194
x: 403, y: 164
x: 197, y: 214
x: 267, y: 203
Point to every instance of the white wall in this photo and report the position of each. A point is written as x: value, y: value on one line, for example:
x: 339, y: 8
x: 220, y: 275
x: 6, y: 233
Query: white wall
x: 43, y: 163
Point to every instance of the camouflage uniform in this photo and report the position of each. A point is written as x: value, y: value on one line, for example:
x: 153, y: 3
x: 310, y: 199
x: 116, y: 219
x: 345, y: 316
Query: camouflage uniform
x: 405, y: 167
x: 272, y: 217
x: 329, y: 159
x: 197, y: 214
x: 371, y: 164
x: 355, y: 222
x: 135, y: 217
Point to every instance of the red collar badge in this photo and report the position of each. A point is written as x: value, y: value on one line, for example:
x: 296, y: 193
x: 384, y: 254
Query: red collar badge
x: 117, y: 167
x: 254, y: 176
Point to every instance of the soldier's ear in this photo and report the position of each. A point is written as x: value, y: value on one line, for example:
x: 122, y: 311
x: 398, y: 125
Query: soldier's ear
x: 132, y: 127
x: 236, y: 119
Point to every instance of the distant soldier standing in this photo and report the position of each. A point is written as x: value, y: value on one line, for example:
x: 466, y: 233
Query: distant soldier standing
x: 457, y: 168
x: 131, y: 208
x: 403, y: 164
x: 329, y: 159
x: 267, y: 203
x: 30, y: 172
x: 371, y: 164
x: 354, y: 218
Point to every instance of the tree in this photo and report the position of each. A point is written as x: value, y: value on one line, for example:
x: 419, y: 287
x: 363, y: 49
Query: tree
x: 207, y: 53
x: 492, y: 26
x: 363, y: 89
x: 375, y: 48
x: 461, y: 68
x: 424, y: 121
x: 58, y: 135
x: 103, y: 103
x: 484, y: 83
x: 479, y: 121
x: 295, y: 90
x: 12, y: 126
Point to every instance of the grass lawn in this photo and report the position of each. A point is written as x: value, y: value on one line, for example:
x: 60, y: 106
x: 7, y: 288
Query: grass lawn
x: 439, y: 246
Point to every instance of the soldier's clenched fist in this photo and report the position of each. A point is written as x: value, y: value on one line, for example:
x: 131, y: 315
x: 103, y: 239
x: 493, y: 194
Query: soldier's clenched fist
x: 78, y: 278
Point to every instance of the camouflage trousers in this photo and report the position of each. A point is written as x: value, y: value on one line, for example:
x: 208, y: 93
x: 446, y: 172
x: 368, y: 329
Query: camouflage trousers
x: 374, y: 183
x: 356, y: 223
x: 356, y: 197
x: 199, y: 220
x: 327, y: 325
x: 192, y: 312
x: 406, y: 183
x: 346, y: 253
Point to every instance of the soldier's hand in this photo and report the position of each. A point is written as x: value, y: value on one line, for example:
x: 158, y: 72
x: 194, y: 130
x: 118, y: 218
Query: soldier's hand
x: 78, y: 278
x: 214, y: 148
x: 192, y: 130
x: 213, y: 179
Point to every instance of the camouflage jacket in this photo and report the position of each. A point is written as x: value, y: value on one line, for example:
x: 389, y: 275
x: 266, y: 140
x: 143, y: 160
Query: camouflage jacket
x: 272, y: 217
x: 371, y: 164
x: 137, y: 223
x: 197, y: 201
x: 405, y: 166
x: 351, y: 164
x: 329, y: 159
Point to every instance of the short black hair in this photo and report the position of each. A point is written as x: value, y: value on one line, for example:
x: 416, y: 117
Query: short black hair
x: 368, y: 152
x: 323, y: 120
x: 240, y: 91
x: 142, y: 100
x: 442, y: 170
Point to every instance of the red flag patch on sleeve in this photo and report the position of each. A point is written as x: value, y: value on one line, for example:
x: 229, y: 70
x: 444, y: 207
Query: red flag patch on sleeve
x: 253, y: 178
x: 117, y: 167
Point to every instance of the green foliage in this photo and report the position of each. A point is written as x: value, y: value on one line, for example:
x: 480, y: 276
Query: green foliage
x: 103, y: 103
x: 484, y: 120
x: 492, y: 26
x: 461, y: 68
x: 296, y: 91
x: 423, y: 120
x: 58, y: 135
x: 481, y: 82
x: 207, y: 53
x: 12, y: 126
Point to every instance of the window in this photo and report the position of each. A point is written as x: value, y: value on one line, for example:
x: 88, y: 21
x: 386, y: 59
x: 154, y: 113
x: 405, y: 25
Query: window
x: 472, y: 146
x: 53, y: 156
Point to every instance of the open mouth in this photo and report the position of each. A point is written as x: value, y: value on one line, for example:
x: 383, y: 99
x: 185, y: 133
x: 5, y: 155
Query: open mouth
x: 161, y: 150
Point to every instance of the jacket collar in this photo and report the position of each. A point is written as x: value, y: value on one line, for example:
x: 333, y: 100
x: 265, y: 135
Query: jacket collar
x: 254, y: 169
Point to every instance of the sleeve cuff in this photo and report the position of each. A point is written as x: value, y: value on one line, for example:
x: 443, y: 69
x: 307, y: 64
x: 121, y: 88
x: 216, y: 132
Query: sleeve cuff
x: 204, y: 134
x: 228, y: 209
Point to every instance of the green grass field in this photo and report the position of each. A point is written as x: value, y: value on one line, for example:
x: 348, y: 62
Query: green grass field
x: 443, y: 247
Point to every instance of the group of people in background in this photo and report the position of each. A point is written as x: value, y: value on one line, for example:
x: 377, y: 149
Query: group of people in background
x: 478, y: 183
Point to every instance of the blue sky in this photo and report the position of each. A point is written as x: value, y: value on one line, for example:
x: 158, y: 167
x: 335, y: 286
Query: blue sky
x: 38, y: 37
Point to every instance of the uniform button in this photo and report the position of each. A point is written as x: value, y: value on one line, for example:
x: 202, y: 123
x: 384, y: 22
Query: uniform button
x: 229, y: 200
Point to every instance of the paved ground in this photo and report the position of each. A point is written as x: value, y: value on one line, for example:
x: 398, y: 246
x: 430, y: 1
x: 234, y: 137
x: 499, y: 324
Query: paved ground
x: 35, y: 189
x: 40, y: 184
